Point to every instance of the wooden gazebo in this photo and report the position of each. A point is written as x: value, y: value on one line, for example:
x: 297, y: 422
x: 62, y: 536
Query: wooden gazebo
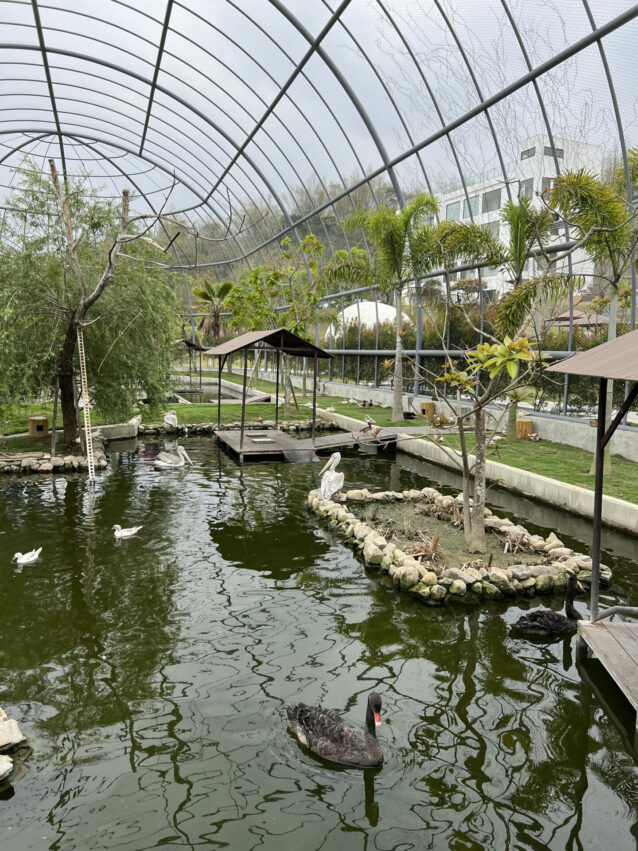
x: 615, y: 644
x: 280, y: 340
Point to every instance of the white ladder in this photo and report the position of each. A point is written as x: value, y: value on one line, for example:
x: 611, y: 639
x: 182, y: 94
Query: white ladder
x: 88, y: 436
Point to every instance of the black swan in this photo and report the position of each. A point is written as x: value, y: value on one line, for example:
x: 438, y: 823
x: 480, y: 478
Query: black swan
x: 330, y: 737
x: 543, y: 622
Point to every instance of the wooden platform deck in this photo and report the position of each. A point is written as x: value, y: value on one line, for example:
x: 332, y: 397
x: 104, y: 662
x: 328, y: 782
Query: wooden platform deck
x: 616, y: 647
x: 274, y: 443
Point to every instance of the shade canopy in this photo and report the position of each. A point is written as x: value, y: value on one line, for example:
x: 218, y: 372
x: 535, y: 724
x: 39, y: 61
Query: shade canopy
x: 616, y: 358
x: 280, y: 338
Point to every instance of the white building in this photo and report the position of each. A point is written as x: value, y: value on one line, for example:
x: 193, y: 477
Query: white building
x: 529, y: 176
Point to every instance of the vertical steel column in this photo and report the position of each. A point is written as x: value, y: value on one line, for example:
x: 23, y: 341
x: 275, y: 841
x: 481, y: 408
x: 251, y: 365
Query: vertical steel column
x: 314, y: 400
x: 419, y: 346
x: 243, y: 406
x: 277, y: 392
x: 220, y: 365
x: 598, y: 499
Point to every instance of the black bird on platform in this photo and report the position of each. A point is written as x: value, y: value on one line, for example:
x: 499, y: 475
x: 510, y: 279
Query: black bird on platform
x: 542, y: 623
x: 329, y: 736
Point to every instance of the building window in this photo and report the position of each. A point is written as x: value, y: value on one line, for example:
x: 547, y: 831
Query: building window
x: 492, y: 201
x: 526, y: 188
x: 453, y: 211
x: 527, y: 153
x: 472, y: 207
x: 493, y: 227
x: 549, y: 152
x: 547, y: 185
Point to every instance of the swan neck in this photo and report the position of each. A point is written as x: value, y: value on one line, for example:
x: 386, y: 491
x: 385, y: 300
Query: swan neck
x: 370, y: 725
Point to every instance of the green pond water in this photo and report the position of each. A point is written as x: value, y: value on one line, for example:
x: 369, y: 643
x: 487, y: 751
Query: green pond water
x: 150, y: 676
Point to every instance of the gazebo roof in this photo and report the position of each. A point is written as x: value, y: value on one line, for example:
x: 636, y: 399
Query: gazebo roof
x: 280, y: 338
x: 616, y: 358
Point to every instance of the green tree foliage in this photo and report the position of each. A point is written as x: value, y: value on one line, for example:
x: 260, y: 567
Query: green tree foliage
x: 129, y: 304
x: 214, y: 297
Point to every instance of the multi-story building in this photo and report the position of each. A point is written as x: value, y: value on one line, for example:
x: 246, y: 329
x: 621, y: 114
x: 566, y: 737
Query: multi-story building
x: 537, y: 163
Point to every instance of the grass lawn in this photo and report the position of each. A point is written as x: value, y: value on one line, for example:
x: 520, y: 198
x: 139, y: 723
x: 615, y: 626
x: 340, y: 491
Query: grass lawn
x: 562, y: 462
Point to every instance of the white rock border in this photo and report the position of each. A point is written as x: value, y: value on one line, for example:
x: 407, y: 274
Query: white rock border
x: 434, y: 584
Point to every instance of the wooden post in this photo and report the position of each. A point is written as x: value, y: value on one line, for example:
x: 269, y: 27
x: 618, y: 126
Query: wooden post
x: 243, y: 406
x: 598, y: 498
x: 55, y: 418
x: 277, y: 393
x: 314, y: 401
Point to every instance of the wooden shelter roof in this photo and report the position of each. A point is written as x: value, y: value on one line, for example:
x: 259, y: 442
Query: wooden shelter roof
x: 616, y: 359
x: 280, y: 338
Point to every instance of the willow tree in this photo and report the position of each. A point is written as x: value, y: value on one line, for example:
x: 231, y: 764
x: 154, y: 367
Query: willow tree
x: 62, y: 257
x: 391, y: 233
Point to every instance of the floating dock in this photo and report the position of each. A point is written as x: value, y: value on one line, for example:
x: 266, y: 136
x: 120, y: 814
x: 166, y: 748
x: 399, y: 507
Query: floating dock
x: 616, y: 647
x: 273, y: 443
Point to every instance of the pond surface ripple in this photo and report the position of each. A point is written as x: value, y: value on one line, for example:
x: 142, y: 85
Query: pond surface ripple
x: 150, y: 676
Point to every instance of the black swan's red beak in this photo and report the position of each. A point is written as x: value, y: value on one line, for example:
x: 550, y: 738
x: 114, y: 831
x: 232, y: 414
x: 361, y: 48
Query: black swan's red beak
x: 377, y: 719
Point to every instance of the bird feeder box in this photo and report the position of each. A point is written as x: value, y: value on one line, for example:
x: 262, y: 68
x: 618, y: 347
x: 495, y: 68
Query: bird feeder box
x: 38, y: 426
x: 523, y: 428
x: 427, y: 409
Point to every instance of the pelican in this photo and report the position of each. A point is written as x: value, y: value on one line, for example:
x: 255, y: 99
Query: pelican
x: 331, y: 481
x: 125, y: 533
x: 27, y: 558
x: 170, y: 419
x: 172, y: 461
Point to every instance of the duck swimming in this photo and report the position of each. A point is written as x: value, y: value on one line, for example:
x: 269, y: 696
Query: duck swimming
x: 329, y: 736
x: 544, y: 623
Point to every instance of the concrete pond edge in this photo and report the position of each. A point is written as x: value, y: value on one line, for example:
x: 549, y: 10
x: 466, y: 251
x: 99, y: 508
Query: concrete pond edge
x: 436, y: 584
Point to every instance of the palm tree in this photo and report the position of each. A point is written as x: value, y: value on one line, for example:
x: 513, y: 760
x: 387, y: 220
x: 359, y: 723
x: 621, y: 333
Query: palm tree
x: 214, y: 297
x: 391, y: 232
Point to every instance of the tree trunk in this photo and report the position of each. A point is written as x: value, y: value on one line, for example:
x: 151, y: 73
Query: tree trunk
x: 65, y: 382
x: 511, y: 420
x: 476, y: 540
x: 397, y: 389
x: 467, y: 513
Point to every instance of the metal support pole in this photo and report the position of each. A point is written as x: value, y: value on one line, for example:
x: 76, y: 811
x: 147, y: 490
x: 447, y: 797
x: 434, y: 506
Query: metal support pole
x: 277, y: 392
x: 200, y: 370
x: 314, y: 400
x: 243, y: 406
x: 220, y: 362
x: 598, y: 499
x: 419, y: 346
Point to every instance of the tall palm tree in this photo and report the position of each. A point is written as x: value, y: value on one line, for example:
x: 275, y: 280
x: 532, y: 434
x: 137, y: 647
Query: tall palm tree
x: 391, y: 232
x: 214, y: 296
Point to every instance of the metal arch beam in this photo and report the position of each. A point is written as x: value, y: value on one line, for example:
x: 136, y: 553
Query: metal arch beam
x: 129, y: 150
x: 314, y: 47
x: 171, y: 95
x: 479, y: 92
x: 158, y: 62
x: 541, y: 69
x: 24, y: 144
x: 47, y: 73
x: 388, y: 165
x: 623, y: 146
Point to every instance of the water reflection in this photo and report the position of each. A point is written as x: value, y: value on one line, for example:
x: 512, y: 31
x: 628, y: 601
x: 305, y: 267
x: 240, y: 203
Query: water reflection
x: 151, y: 679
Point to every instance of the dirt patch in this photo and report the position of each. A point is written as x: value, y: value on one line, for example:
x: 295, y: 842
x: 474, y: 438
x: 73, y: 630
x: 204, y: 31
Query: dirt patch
x: 405, y: 524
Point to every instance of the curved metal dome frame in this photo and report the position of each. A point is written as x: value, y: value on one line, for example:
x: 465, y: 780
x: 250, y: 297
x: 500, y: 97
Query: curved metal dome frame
x: 241, y: 103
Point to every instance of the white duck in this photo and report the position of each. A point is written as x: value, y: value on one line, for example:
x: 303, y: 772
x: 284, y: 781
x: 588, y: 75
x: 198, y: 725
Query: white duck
x: 331, y: 481
x: 172, y: 460
x: 125, y: 533
x: 170, y: 419
x: 27, y: 558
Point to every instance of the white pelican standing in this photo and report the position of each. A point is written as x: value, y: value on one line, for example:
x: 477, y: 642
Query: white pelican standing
x: 27, y: 558
x: 125, y: 533
x: 170, y: 419
x: 331, y: 481
x: 172, y: 460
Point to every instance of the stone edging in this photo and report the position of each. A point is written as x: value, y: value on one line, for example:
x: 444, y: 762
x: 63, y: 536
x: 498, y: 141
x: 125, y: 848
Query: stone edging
x: 435, y: 584
x: 44, y: 463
